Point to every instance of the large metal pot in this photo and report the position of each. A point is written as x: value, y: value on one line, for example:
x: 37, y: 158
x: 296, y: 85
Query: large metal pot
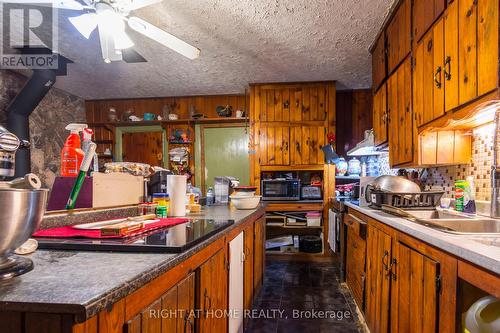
x: 392, y: 184
x: 21, y: 213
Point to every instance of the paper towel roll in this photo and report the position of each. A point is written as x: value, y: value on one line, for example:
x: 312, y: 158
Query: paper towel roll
x: 176, y: 189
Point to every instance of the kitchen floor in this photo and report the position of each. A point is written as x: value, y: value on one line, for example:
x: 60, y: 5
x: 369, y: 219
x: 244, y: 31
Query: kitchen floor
x: 294, y: 291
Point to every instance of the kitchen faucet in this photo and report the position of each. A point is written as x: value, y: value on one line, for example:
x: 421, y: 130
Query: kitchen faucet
x: 495, y: 172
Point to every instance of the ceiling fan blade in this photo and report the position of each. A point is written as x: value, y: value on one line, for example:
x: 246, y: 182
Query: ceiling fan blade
x: 59, y: 4
x: 132, y: 56
x: 163, y: 37
x: 136, y: 4
x: 85, y: 23
x: 108, y: 50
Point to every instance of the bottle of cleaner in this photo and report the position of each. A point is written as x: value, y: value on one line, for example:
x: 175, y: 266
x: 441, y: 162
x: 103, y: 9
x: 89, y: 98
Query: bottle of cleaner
x: 72, y: 153
x: 87, y: 140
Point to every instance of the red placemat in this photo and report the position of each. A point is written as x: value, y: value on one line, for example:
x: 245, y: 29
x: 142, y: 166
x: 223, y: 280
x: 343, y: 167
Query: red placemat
x: 70, y: 232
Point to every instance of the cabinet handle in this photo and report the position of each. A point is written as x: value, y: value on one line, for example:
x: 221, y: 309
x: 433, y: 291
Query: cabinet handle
x: 391, y: 273
x: 386, y: 254
x: 447, y: 68
x: 286, y: 146
x: 188, y: 320
x: 297, y: 145
x: 438, y: 82
x: 206, y: 297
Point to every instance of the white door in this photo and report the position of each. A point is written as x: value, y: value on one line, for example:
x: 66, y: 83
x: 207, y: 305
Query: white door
x: 236, y: 265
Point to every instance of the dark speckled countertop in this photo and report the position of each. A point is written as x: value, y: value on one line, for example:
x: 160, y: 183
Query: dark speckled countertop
x: 84, y: 283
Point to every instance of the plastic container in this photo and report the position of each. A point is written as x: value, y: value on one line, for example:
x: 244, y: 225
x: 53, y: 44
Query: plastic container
x: 161, y: 211
x: 72, y: 153
x: 483, y: 316
x: 160, y: 199
x: 313, y: 219
x: 147, y: 208
x: 210, y: 197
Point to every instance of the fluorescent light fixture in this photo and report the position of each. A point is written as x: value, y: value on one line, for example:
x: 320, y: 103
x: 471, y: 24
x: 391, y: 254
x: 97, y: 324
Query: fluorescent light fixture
x: 85, y: 23
x: 163, y: 37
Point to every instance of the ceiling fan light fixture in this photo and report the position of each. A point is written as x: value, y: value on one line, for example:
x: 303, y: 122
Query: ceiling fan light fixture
x: 85, y: 24
x: 163, y: 37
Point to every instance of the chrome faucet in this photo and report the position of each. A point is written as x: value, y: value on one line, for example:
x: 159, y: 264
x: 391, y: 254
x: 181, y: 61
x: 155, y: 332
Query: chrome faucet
x: 495, y: 171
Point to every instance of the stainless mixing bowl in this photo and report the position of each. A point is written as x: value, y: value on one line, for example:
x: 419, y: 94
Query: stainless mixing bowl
x: 21, y: 212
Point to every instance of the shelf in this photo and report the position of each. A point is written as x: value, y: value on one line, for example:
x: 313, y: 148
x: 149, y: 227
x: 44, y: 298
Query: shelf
x: 294, y: 227
x: 170, y: 122
x: 348, y: 177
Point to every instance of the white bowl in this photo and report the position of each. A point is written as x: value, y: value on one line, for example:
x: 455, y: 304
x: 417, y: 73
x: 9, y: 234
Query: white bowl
x: 246, y: 202
x: 241, y: 194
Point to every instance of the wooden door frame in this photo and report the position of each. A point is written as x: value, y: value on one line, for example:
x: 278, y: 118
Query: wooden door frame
x: 202, y: 146
x: 119, y: 131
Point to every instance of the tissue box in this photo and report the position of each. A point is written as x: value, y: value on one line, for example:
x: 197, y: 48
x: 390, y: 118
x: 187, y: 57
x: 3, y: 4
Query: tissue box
x: 313, y: 219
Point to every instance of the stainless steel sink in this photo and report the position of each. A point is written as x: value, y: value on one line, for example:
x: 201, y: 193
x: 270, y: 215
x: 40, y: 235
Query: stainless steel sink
x: 450, y: 222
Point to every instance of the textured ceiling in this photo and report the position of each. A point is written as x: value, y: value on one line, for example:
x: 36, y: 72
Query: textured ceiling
x: 241, y: 41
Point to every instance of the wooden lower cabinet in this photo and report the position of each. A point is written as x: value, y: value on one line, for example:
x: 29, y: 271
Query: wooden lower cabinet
x: 414, y: 291
x: 356, y: 254
x: 378, y: 256
x: 259, y: 254
x: 212, y: 287
x: 248, y: 273
x: 172, y: 313
x: 410, y: 286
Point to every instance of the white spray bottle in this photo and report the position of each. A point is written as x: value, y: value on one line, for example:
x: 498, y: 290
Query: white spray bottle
x: 87, y: 140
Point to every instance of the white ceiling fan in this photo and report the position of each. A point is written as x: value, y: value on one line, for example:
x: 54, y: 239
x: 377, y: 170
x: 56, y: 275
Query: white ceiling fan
x: 111, y: 17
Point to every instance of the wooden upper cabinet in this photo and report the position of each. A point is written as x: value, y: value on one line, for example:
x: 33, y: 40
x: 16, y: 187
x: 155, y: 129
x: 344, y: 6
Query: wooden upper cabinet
x: 467, y: 32
x: 274, y: 105
x: 309, y: 103
x: 380, y: 115
x: 451, y: 58
x: 430, y: 76
x: 398, y: 35
x: 274, y: 145
x: 425, y: 12
x: 306, y: 143
x: 401, y: 136
x: 487, y: 45
x: 379, y: 68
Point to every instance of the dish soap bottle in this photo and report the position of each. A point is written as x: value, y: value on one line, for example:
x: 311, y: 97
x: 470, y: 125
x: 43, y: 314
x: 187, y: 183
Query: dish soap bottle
x: 470, y: 204
x: 72, y: 154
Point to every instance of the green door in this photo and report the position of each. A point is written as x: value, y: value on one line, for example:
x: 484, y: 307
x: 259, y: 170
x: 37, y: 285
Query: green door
x: 226, y: 154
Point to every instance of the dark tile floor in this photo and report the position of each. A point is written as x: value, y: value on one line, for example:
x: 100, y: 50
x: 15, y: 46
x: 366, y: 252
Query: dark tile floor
x: 303, y: 297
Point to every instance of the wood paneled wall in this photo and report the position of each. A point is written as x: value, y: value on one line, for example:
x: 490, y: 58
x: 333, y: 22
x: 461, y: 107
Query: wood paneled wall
x: 354, y: 116
x: 97, y: 109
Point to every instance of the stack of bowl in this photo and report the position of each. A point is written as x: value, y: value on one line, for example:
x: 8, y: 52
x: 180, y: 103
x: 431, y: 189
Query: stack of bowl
x: 244, y: 197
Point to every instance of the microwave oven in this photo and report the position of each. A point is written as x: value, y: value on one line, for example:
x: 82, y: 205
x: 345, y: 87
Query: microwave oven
x: 280, y: 189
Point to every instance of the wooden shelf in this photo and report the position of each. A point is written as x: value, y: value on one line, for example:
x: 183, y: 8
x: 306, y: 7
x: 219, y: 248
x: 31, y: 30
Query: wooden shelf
x: 221, y: 120
x: 293, y: 227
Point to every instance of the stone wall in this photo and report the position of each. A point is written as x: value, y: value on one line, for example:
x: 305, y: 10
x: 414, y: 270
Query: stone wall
x: 47, y: 123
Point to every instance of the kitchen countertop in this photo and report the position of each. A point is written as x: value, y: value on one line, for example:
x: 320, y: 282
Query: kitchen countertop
x: 84, y: 283
x: 482, y: 251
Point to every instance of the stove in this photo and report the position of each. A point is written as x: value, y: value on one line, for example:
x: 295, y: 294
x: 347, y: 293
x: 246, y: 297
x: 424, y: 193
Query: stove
x: 173, y: 239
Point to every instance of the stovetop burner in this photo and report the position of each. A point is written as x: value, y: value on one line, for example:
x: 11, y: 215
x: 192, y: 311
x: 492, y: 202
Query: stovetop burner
x: 173, y: 239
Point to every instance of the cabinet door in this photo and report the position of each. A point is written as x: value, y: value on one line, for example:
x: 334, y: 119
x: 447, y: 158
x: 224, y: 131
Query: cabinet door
x: 414, y: 295
x: 274, y: 145
x: 467, y: 33
x: 169, y: 306
x: 306, y: 144
x: 399, y: 35
x: 487, y: 45
x: 451, y: 56
x: 274, y: 105
x: 212, y: 299
x: 355, y: 265
x: 392, y: 104
x: 248, y: 269
x: 400, y: 115
x: 380, y: 115
x: 425, y: 12
x: 236, y: 268
x: 185, y: 305
x: 378, y: 62
x: 378, y: 255
x: 259, y: 253
x: 308, y: 103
